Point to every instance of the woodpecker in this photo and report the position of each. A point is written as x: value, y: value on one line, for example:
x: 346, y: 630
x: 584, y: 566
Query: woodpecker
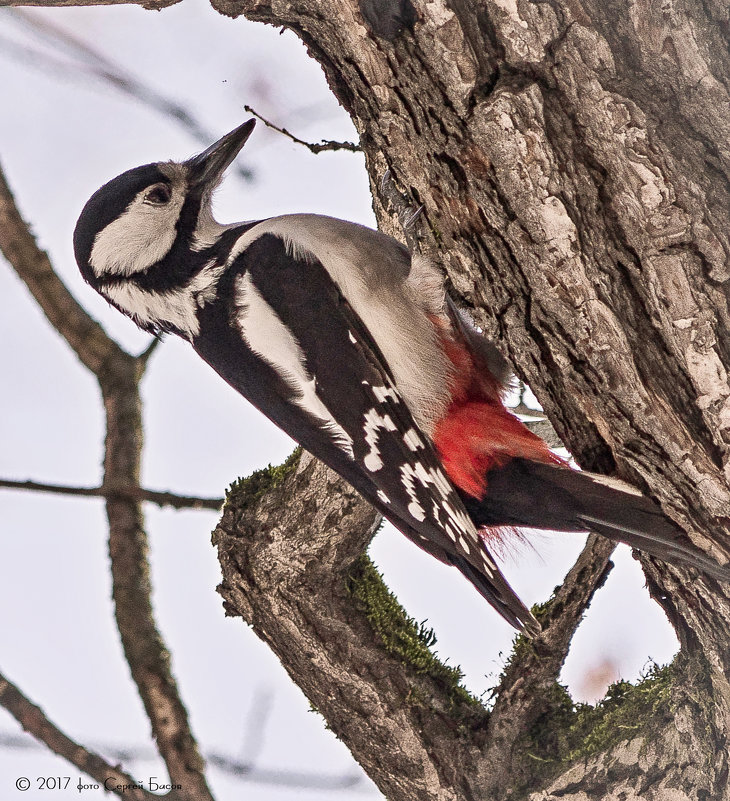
x: 353, y: 347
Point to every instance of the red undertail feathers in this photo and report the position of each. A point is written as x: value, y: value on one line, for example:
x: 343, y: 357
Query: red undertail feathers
x: 478, y: 433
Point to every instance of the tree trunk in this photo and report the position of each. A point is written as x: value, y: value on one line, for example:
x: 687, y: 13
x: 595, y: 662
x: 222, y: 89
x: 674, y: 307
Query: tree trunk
x: 573, y: 164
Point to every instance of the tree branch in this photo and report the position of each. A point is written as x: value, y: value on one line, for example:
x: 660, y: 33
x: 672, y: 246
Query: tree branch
x: 85, y: 336
x: 239, y: 768
x: 573, y: 173
x: 118, y: 375
x: 35, y: 722
x: 130, y: 493
x: 290, y: 543
x: 152, y: 5
x: 319, y: 147
x: 523, y: 693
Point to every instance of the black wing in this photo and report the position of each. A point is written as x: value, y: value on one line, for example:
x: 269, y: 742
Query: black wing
x: 288, y: 327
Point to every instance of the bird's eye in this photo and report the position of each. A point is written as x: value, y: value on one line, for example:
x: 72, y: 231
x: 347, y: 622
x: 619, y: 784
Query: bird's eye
x: 158, y: 195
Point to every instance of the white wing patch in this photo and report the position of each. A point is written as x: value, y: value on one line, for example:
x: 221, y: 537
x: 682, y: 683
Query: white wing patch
x: 408, y: 478
x: 367, y: 271
x: 269, y: 338
x: 381, y: 393
x: 452, y: 519
x: 423, y: 482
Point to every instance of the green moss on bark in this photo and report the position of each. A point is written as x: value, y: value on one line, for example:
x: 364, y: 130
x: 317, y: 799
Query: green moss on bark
x: 570, y: 731
x: 405, y: 638
x: 245, y: 492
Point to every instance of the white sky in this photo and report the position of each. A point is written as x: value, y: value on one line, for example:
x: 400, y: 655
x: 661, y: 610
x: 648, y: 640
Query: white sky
x: 66, y: 136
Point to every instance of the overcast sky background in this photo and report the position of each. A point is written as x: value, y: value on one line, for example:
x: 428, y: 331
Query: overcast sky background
x: 63, y: 134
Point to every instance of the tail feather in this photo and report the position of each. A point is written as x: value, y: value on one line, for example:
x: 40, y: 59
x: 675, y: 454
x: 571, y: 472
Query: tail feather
x: 538, y: 495
x: 501, y: 596
x: 674, y: 552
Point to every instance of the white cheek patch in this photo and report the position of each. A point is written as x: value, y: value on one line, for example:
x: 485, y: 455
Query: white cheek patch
x: 270, y: 339
x: 140, y: 237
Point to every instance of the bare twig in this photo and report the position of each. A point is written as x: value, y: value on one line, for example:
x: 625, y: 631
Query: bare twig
x: 144, y: 357
x: 118, y: 374
x: 539, y: 424
x: 130, y: 493
x: 256, y: 723
x: 85, y: 336
x: 35, y: 722
x: 151, y: 4
x: 286, y: 778
x: 325, y: 144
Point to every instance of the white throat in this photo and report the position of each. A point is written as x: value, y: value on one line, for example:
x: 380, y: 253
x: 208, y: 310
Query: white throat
x: 174, y: 308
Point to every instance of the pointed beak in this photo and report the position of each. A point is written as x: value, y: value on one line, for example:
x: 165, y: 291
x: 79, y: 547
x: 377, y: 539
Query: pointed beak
x: 207, y: 168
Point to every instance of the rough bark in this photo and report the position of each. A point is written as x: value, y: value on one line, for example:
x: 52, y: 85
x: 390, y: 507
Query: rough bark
x: 572, y: 161
x: 573, y: 165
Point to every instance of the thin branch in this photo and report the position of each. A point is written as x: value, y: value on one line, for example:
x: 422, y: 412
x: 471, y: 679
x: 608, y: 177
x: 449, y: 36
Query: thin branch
x: 540, y: 664
x: 130, y: 493
x: 118, y: 374
x: 144, y: 357
x: 35, y: 722
x: 325, y: 144
x: 256, y: 724
x: 522, y: 692
x: 286, y: 778
x: 85, y: 336
x: 538, y: 424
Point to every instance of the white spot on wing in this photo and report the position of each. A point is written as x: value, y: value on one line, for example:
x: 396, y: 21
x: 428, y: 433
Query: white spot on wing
x: 447, y: 510
x: 268, y: 337
x: 412, y: 440
x: 372, y: 425
x: 382, y: 393
x: 383, y: 497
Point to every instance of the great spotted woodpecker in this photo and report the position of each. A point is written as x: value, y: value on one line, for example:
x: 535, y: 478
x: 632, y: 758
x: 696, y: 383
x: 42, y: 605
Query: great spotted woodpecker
x: 352, y: 347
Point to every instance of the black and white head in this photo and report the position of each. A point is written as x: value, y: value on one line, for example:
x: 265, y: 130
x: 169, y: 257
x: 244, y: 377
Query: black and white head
x: 144, y: 238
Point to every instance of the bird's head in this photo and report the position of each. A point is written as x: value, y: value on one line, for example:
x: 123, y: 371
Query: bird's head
x: 136, y: 220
